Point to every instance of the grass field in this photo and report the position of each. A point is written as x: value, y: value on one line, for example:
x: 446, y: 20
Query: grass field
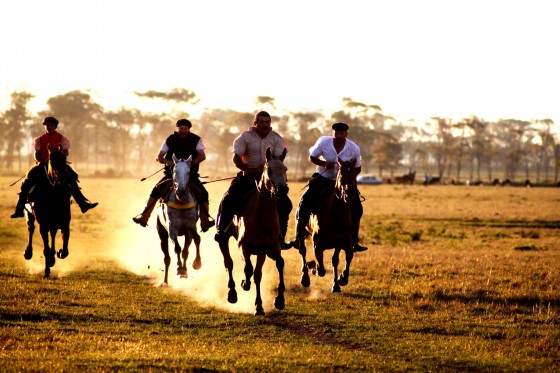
x: 455, y: 279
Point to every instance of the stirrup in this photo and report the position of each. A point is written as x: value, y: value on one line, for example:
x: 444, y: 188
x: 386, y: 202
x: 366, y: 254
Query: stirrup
x: 358, y: 248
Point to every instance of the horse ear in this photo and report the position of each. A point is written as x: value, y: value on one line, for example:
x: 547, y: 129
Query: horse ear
x: 268, y: 154
x: 175, y: 159
x: 50, y: 148
x: 284, y: 152
x: 189, y: 160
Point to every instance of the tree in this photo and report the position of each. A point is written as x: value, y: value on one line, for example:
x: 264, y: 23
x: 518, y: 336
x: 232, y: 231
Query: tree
x: 77, y: 113
x: 14, y: 122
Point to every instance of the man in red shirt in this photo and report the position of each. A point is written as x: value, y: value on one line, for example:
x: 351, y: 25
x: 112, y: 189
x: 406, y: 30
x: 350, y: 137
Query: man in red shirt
x: 53, y: 139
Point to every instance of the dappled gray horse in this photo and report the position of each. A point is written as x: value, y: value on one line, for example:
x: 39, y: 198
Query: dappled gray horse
x: 177, y: 217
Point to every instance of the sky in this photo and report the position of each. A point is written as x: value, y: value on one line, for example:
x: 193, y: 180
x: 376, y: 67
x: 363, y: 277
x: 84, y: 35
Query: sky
x: 416, y: 59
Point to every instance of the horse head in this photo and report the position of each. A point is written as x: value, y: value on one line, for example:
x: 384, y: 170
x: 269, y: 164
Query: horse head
x: 346, y: 184
x: 274, y: 177
x: 57, y: 164
x: 181, y: 172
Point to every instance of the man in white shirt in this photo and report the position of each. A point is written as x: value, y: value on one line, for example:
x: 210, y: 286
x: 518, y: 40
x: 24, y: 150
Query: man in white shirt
x: 249, y: 150
x: 324, y: 154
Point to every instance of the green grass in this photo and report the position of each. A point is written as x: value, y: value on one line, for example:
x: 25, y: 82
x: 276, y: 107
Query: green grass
x: 434, y: 292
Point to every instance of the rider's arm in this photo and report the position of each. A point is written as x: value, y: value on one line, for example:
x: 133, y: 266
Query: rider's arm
x: 161, y: 159
x: 199, y: 158
x: 238, y: 162
x: 319, y: 162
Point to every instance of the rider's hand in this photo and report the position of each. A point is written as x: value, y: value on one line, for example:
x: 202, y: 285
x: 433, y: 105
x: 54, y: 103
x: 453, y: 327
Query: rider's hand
x: 329, y: 165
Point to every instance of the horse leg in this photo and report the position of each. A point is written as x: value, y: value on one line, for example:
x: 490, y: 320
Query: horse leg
x: 181, y: 269
x: 335, y: 261
x: 65, y: 233
x: 259, y: 310
x: 248, y: 270
x: 320, y: 266
x: 47, y: 251
x: 197, y: 262
x: 228, y: 263
x: 164, y: 239
x: 305, y: 280
x: 279, y: 301
x: 345, y: 275
x: 30, y: 220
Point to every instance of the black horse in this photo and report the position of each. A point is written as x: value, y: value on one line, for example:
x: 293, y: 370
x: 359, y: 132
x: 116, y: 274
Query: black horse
x: 50, y: 207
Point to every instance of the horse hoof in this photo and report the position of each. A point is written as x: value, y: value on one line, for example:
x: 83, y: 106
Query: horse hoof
x: 321, y: 272
x: 305, y: 281
x: 311, y: 265
x: 246, y: 285
x: 164, y: 285
x: 259, y: 311
x: 343, y: 281
x: 184, y: 276
x: 47, y: 272
x: 28, y: 253
x: 232, y: 296
x: 181, y: 271
x: 279, y: 303
x: 197, y: 264
x: 61, y: 254
x: 336, y: 288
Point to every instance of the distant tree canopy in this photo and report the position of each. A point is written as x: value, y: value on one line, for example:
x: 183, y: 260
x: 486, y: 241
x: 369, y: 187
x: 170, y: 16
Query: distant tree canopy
x: 125, y: 141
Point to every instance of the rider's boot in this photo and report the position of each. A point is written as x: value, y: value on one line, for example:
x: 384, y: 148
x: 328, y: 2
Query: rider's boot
x: 206, y: 221
x: 143, y: 218
x: 224, y: 217
x: 22, y: 199
x: 301, y: 229
x: 80, y: 199
x: 356, y: 247
x: 20, y: 206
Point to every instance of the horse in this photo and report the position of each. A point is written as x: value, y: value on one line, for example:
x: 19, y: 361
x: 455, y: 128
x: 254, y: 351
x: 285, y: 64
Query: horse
x: 331, y: 227
x: 177, y: 217
x: 257, y: 229
x: 50, y: 207
x: 406, y: 178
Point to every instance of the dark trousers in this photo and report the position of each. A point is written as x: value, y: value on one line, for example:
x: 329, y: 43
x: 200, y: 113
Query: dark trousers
x: 234, y: 198
x: 318, y: 188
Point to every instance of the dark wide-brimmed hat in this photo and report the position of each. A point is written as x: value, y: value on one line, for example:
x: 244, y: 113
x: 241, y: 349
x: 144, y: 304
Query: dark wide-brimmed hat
x: 184, y: 122
x: 50, y: 120
x: 339, y: 126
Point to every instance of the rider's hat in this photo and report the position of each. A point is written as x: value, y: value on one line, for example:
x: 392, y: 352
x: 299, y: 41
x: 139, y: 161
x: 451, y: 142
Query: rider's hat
x: 184, y: 122
x: 50, y: 120
x: 339, y: 126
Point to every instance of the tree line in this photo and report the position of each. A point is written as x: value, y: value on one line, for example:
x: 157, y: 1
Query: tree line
x: 125, y: 141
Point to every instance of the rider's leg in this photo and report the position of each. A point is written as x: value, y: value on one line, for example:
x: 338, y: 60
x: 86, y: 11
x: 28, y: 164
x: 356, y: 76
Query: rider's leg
x: 303, y: 214
x: 22, y: 198
x: 231, y: 203
x: 357, y: 212
x: 201, y: 195
x: 157, y: 192
x: 76, y: 192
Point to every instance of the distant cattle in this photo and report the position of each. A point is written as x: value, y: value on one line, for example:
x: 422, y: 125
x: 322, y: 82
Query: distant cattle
x: 406, y: 178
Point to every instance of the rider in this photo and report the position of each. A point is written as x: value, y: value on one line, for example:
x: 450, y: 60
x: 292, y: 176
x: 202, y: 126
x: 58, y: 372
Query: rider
x: 41, y: 144
x: 183, y: 143
x: 324, y: 154
x: 249, y: 150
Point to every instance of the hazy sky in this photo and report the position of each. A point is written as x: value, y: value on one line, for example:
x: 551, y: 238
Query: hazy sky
x: 415, y: 59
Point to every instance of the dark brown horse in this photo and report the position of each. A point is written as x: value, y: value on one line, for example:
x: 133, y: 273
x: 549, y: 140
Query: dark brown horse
x: 331, y: 227
x: 50, y: 207
x: 257, y: 231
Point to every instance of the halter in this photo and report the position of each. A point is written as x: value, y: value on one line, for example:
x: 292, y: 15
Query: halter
x: 346, y: 181
x: 56, y: 166
x: 181, y: 175
x: 273, y: 179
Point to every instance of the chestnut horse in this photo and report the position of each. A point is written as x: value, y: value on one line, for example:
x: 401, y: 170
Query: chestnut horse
x: 257, y: 230
x: 331, y: 227
x: 50, y: 207
x: 177, y: 217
